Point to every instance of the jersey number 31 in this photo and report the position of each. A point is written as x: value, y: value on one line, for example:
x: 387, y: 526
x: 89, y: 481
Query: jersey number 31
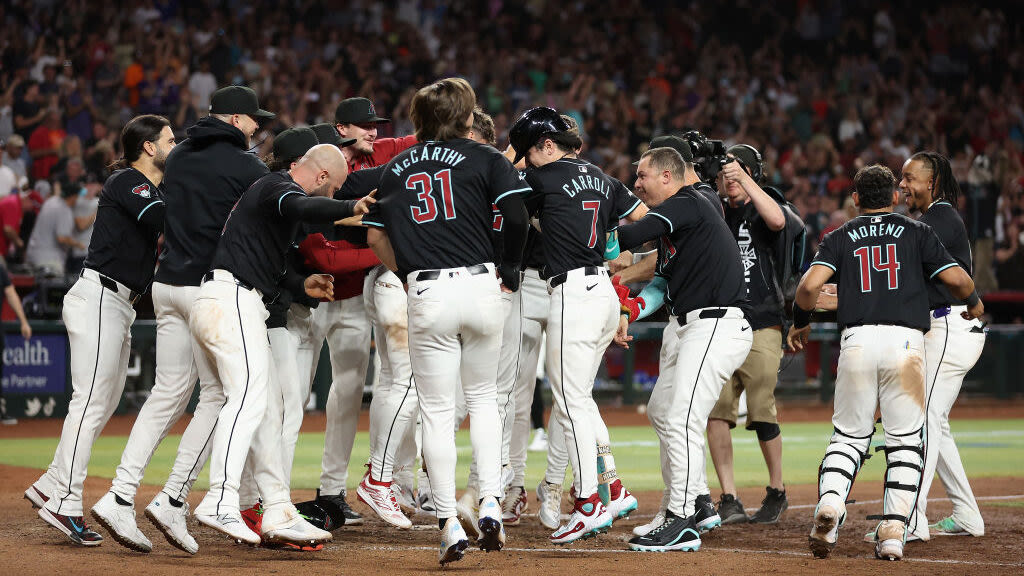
x: 423, y: 184
x: 870, y: 258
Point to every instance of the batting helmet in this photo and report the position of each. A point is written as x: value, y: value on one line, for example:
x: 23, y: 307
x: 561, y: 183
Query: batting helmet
x: 532, y: 126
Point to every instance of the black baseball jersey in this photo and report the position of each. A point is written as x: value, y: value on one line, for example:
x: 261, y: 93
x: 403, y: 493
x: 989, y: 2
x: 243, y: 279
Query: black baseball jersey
x: 950, y: 229
x: 883, y: 263
x: 697, y: 253
x: 436, y: 202
x: 129, y: 220
x: 578, y: 204
x: 756, y: 243
x: 262, y: 226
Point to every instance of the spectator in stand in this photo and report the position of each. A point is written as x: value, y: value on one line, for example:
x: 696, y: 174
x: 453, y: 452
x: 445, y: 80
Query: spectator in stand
x: 85, y: 217
x: 45, y: 144
x: 29, y: 110
x: 8, y: 181
x: 11, y: 158
x: 202, y: 84
x: 12, y: 210
x: 52, y: 235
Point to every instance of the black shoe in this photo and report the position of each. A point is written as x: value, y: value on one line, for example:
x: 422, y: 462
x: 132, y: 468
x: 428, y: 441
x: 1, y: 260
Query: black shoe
x: 336, y: 506
x: 74, y: 527
x: 731, y: 510
x: 773, y: 505
x: 705, y: 516
x: 675, y: 534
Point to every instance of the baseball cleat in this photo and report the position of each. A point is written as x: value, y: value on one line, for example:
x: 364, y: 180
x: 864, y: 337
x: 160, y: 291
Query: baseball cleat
x: 232, y: 525
x: 825, y: 531
x: 773, y: 505
x: 253, y: 517
x: 705, y: 516
x: 338, y: 509
x: 282, y: 524
x: 466, y: 509
x: 550, y: 496
x: 513, y: 506
x: 730, y: 510
x: 645, y: 529
x: 588, y: 519
x: 621, y: 502
x: 36, y: 496
x: 675, y: 533
x: 453, y: 542
x: 289, y: 547
x: 948, y: 526
x: 74, y: 527
x: 172, y: 521
x: 119, y: 520
x: 380, y: 497
x: 889, y: 540
x: 492, y: 533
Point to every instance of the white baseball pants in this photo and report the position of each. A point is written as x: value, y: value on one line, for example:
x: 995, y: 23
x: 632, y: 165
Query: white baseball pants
x: 952, y: 347
x: 709, y: 350
x: 455, y: 323
x: 98, y: 321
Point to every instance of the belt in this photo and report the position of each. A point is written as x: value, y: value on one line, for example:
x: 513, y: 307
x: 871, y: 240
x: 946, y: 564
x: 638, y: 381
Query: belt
x: 241, y: 283
x: 900, y: 324
x: 558, y: 279
x: 113, y: 285
x: 703, y: 314
x: 474, y: 270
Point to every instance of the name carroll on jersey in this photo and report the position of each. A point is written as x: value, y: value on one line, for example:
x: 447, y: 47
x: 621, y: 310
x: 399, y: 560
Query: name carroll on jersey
x: 427, y: 153
x: 586, y: 182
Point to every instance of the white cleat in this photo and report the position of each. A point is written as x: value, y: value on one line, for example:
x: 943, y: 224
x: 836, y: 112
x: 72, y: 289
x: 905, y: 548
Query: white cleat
x: 539, y: 442
x: 466, y: 509
x: 232, y: 525
x: 172, y: 521
x: 550, y: 496
x: 645, y: 529
x: 282, y: 524
x: 381, y: 499
x: 621, y: 503
x: 825, y: 531
x: 588, y: 519
x: 36, y: 496
x: 453, y: 542
x: 119, y: 520
x: 492, y: 532
x: 889, y: 545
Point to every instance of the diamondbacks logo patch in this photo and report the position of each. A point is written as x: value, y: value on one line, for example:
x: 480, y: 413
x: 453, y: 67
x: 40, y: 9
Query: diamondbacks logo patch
x: 141, y: 190
x: 372, y: 111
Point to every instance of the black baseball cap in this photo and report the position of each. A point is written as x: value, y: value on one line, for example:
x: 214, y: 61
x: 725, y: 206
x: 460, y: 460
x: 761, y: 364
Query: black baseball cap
x: 674, y: 142
x: 238, y: 100
x: 293, y: 143
x: 328, y: 134
x: 356, y: 111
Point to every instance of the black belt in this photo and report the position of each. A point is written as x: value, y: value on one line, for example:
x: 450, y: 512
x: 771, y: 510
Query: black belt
x: 241, y: 283
x: 561, y: 278
x: 111, y: 284
x: 474, y: 270
x: 704, y: 314
x: 900, y: 324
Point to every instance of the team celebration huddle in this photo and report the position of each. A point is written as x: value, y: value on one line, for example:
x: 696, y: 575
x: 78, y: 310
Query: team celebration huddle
x: 470, y: 265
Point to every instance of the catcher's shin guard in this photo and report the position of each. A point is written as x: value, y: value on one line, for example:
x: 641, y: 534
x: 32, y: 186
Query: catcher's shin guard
x: 904, y: 456
x: 843, y: 459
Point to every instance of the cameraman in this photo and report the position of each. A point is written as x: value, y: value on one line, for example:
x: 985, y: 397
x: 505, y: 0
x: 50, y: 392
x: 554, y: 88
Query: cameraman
x: 755, y: 219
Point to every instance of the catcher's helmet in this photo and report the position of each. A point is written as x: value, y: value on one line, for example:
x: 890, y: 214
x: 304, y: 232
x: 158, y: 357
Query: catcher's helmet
x: 531, y: 126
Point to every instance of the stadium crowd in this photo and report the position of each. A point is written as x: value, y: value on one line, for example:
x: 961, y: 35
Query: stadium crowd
x: 857, y: 91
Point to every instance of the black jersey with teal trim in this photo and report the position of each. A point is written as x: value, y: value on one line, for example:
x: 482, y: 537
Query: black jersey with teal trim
x: 436, y: 201
x: 883, y: 263
x: 578, y: 205
x: 947, y: 225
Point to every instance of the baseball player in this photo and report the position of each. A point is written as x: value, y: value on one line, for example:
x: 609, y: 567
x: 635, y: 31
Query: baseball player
x: 708, y: 336
x: 755, y: 220
x: 578, y: 205
x: 228, y: 320
x: 883, y: 262
x: 344, y: 322
x: 952, y: 347
x: 206, y: 175
x: 98, y: 315
x: 432, y: 225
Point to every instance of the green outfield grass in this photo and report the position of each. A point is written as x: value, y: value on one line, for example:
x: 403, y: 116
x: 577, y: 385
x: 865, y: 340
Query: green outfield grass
x: 988, y: 448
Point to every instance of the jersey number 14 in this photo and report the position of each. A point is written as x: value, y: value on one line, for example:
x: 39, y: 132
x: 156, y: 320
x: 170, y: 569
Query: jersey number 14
x: 870, y: 258
x: 423, y: 184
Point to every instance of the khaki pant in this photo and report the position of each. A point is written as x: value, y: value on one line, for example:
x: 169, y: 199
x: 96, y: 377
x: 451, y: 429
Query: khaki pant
x: 758, y: 376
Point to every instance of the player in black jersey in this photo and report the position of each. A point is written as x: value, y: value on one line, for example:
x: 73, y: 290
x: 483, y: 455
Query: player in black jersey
x: 228, y: 320
x: 952, y: 347
x: 432, y: 226
x: 700, y: 276
x: 98, y: 315
x: 883, y: 262
x: 577, y: 205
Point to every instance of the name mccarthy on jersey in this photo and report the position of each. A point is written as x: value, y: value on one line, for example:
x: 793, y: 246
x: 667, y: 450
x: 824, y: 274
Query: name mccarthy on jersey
x: 428, y: 153
x: 880, y: 229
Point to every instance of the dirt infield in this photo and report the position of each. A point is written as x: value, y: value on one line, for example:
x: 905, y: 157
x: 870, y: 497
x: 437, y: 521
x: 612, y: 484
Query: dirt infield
x: 28, y: 546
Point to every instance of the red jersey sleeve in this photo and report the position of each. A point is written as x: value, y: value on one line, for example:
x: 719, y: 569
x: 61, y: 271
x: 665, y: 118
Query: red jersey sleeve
x: 336, y: 258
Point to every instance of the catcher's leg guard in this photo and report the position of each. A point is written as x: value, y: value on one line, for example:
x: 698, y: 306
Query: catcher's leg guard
x: 843, y: 459
x: 904, y: 455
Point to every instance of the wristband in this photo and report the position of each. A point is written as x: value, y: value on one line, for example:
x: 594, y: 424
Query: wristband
x: 972, y: 300
x: 801, y: 317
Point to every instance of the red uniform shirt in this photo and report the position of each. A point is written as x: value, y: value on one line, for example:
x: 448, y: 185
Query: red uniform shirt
x: 384, y: 150
x: 10, y: 215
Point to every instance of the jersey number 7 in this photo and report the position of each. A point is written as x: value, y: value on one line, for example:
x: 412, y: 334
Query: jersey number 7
x: 595, y: 207
x: 423, y: 184
x: 891, y: 265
